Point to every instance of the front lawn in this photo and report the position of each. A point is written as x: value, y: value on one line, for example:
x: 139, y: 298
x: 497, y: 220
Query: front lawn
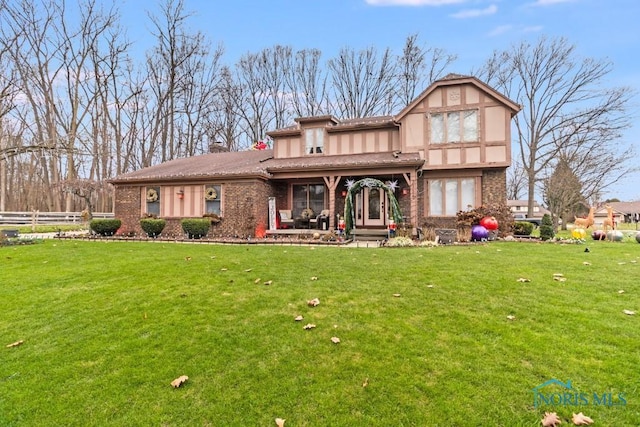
x: 445, y: 336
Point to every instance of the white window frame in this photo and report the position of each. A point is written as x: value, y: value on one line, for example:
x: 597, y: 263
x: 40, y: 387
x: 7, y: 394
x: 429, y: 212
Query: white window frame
x: 443, y: 204
x: 454, y: 126
x: 314, y: 141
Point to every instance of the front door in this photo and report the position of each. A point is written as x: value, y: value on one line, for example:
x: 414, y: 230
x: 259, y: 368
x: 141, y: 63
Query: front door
x: 370, y: 207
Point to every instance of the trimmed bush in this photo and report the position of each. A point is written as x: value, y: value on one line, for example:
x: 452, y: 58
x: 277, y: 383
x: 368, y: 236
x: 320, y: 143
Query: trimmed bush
x: 196, y: 228
x: 546, y: 228
x: 522, y: 228
x: 105, y: 227
x: 153, y: 226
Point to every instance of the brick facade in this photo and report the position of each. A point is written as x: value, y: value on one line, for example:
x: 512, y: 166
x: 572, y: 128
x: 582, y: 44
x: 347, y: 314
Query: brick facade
x: 245, y: 210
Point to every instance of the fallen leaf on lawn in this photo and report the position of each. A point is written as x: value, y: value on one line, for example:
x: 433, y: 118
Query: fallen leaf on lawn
x: 248, y: 270
x: 313, y: 303
x: 335, y: 340
x: 586, y: 263
x: 523, y: 280
x: 581, y: 419
x: 187, y: 258
x: 621, y: 263
x: 314, y: 278
x: 268, y: 282
x: 257, y: 281
x: 621, y: 291
x: 15, y: 344
x: 511, y: 317
x: 397, y: 295
x: 550, y: 419
x: 557, y: 275
x: 429, y: 286
x: 633, y: 261
x: 223, y: 269
x: 280, y: 422
x: 179, y: 381
x: 213, y: 257
x: 629, y: 312
x: 560, y: 279
x: 365, y: 382
x: 298, y: 318
x: 309, y: 326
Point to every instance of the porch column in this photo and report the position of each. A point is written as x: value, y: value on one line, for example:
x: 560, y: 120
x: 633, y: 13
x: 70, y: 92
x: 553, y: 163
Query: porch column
x: 331, y: 183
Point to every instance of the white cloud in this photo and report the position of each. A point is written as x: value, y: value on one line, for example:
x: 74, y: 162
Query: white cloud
x: 500, y: 30
x: 474, y: 13
x: 413, y: 2
x: 533, y: 29
x: 549, y: 2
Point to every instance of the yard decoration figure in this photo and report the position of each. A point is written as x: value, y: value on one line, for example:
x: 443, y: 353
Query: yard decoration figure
x: 392, y: 228
x: 479, y: 233
x: 585, y: 222
x: 578, y: 233
x: 609, y: 222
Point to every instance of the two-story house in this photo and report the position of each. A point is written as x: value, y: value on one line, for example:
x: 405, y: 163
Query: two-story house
x: 445, y: 152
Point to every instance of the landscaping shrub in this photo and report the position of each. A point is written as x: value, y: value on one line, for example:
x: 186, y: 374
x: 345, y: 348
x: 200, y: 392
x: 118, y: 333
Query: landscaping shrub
x: 546, y: 228
x: 522, y: 228
x: 105, y: 227
x: 153, y: 226
x: 196, y: 228
x: 500, y: 211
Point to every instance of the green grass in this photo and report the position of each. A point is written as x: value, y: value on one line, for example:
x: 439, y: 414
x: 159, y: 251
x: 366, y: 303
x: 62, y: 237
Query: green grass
x: 108, y: 325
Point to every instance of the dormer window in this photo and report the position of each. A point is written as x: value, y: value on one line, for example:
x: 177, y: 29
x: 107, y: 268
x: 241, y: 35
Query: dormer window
x: 314, y: 140
x: 454, y: 126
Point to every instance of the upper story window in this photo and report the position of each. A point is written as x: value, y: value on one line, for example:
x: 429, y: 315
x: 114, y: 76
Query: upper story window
x: 314, y: 140
x: 454, y: 126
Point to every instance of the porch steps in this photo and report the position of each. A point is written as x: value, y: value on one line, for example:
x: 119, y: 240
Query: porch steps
x: 369, y: 234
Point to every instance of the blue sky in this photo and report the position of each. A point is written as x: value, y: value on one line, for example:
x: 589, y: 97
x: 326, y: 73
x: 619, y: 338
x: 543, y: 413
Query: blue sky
x: 471, y: 29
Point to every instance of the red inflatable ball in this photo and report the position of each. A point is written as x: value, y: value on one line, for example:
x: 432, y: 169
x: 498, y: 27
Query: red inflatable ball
x: 489, y: 222
x: 598, y: 235
x: 478, y: 233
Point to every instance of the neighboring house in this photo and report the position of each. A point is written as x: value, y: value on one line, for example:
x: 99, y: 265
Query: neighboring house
x: 446, y: 151
x: 522, y: 206
x: 628, y: 212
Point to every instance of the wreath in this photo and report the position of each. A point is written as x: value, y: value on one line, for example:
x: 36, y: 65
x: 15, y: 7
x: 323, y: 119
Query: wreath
x: 307, y: 213
x: 210, y: 194
x: 152, y: 195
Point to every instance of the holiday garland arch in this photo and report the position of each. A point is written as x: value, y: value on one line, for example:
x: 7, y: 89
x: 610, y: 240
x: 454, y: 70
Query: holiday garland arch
x: 354, y: 187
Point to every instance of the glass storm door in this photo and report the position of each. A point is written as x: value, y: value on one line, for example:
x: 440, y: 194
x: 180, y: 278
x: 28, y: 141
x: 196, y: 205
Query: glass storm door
x: 370, y: 207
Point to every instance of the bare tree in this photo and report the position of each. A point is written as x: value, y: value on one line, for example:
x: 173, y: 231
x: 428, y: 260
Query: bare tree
x: 363, y: 82
x: 181, y: 77
x: 562, y: 193
x: 562, y: 97
x: 418, y: 67
x: 307, y: 84
x: 516, y: 181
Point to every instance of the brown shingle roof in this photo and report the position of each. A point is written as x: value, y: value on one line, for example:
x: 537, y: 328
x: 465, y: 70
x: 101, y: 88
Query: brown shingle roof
x: 367, y: 160
x: 260, y: 163
x: 213, y: 165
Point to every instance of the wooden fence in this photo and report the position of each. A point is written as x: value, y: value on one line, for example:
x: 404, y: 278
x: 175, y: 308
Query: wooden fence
x: 46, y: 218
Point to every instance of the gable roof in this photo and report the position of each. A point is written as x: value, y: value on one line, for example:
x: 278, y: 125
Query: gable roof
x: 236, y: 164
x: 457, y: 79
